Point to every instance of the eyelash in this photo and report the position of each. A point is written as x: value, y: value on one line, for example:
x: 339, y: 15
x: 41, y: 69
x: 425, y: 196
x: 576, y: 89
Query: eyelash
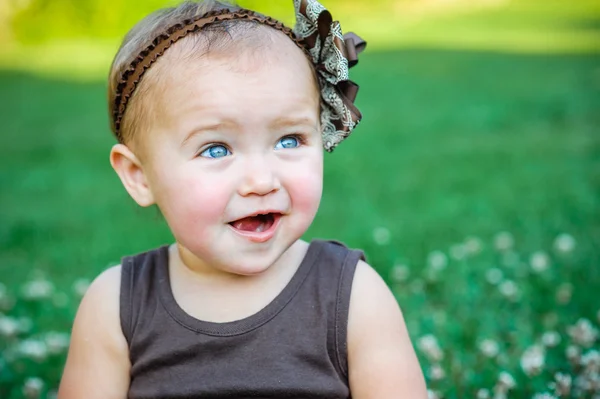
x: 298, y: 136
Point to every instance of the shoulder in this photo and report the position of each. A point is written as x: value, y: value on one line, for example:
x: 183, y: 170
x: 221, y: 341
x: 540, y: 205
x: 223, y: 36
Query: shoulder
x: 103, y: 293
x: 98, y: 360
x: 100, y: 306
x: 381, y: 359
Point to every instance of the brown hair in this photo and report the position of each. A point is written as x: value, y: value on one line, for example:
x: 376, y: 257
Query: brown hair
x: 218, y: 34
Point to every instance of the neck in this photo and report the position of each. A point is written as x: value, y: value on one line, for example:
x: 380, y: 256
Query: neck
x: 192, y: 267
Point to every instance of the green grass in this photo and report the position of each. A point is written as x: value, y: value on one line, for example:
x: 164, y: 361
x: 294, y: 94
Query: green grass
x: 453, y: 144
x: 85, y: 49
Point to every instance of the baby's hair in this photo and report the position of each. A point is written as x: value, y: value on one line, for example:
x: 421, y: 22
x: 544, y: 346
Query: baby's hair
x: 217, y: 35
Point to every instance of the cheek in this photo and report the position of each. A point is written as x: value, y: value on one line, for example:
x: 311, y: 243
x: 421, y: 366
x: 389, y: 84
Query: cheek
x: 306, y: 189
x: 190, y: 202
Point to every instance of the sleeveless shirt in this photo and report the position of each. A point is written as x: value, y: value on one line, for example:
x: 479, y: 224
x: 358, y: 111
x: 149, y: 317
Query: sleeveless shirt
x: 295, y: 347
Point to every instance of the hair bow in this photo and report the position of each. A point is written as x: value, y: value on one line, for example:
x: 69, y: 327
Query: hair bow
x: 332, y: 54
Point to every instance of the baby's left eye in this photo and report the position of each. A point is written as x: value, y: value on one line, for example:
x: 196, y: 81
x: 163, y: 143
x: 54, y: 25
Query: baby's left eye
x: 287, y: 142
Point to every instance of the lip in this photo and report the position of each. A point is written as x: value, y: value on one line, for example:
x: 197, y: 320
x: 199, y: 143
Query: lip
x: 261, y: 212
x: 262, y: 236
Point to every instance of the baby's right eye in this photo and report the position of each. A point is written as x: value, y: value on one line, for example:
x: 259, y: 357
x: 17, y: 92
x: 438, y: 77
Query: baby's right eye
x: 215, y: 151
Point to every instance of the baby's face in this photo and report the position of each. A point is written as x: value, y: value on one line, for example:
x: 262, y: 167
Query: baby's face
x: 236, y: 162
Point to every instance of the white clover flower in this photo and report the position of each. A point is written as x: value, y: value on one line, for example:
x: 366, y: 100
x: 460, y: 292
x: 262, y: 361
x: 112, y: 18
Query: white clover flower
x: 550, y: 339
x: 37, y: 289
x: 428, y: 344
x: 458, y: 252
x: 583, y: 333
x: 561, y: 385
x: 473, y: 245
x: 80, y: 286
x: 381, y: 236
x: 509, y: 290
x: 533, y: 360
x: 503, y: 241
x: 506, y: 380
x: 433, y: 394
x: 9, y: 326
x: 564, y: 293
x: 32, y: 389
x: 564, y: 243
x: 594, y: 382
x: 483, y: 394
x: 539, y: 261
x: 588, y: 383
x: 544, y: 395
x: 400, y: 273
x: 56, y: 342
x: 591, y: 361
x: 489, y: 348
x: 437, y: 260
x: 573, y: 353
x: 33, y: 349
x: 436, y: 372
x: 494, y: 276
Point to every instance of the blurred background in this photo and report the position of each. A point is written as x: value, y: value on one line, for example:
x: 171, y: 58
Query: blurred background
x: 473, y: 183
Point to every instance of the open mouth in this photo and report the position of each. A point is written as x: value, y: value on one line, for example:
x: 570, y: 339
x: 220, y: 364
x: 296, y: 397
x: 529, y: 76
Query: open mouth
x: 256, y: 224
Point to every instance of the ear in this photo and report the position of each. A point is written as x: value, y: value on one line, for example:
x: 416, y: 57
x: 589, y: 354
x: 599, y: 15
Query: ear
x: 130, y: 171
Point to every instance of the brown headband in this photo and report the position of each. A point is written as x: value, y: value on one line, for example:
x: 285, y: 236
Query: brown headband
x: 132, y: 75
x: 321, y: 39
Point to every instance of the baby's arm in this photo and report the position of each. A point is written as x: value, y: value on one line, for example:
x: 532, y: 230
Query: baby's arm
x: 382, y: 363
x: 98, y: 361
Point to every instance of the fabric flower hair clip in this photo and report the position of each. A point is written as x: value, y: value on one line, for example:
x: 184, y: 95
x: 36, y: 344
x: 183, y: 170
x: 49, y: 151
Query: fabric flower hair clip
x: 331, y: 53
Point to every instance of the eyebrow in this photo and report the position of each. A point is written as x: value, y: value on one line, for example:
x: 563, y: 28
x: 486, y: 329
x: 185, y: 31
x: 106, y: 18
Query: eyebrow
x: 203, y: 128
x: 289, y: 122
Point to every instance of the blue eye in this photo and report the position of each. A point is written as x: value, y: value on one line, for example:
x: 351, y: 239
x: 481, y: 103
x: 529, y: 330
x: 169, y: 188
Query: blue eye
x: 287, y: 142
x: 215, y: 151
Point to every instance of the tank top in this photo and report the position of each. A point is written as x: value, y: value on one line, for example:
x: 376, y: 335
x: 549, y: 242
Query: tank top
x: 295, y: 347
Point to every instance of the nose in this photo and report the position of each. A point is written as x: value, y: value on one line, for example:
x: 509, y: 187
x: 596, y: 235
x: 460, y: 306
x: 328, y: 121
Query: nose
x: 259, y: 177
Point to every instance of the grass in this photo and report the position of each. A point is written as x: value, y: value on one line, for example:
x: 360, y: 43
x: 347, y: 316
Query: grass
x: 454, y: 144
x: 473, y: 185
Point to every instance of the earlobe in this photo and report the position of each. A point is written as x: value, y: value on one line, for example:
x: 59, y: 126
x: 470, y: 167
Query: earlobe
x: 130, y: 171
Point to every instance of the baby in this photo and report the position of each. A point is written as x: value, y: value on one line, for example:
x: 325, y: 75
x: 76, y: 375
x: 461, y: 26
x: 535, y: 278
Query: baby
x: 222, y: 115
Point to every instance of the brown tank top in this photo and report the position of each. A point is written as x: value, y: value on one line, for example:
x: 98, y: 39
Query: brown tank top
x: 295, y: 347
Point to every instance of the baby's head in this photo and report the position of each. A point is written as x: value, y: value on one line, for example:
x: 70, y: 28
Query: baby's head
x: 218, y: 112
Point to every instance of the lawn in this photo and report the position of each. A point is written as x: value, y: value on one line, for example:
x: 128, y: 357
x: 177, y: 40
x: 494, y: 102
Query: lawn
x: 472, y: 184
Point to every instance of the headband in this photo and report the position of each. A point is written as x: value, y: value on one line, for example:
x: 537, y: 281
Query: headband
x: 330, y: 52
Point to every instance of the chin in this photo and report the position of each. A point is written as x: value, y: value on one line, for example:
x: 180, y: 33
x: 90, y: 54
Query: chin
x: 248, y: 269
x: 251, y: 263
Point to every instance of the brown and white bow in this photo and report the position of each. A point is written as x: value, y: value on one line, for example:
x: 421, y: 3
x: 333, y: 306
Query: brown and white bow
x: 332, y: 54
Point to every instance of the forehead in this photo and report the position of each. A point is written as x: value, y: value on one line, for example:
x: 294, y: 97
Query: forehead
x: 253, y: 80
